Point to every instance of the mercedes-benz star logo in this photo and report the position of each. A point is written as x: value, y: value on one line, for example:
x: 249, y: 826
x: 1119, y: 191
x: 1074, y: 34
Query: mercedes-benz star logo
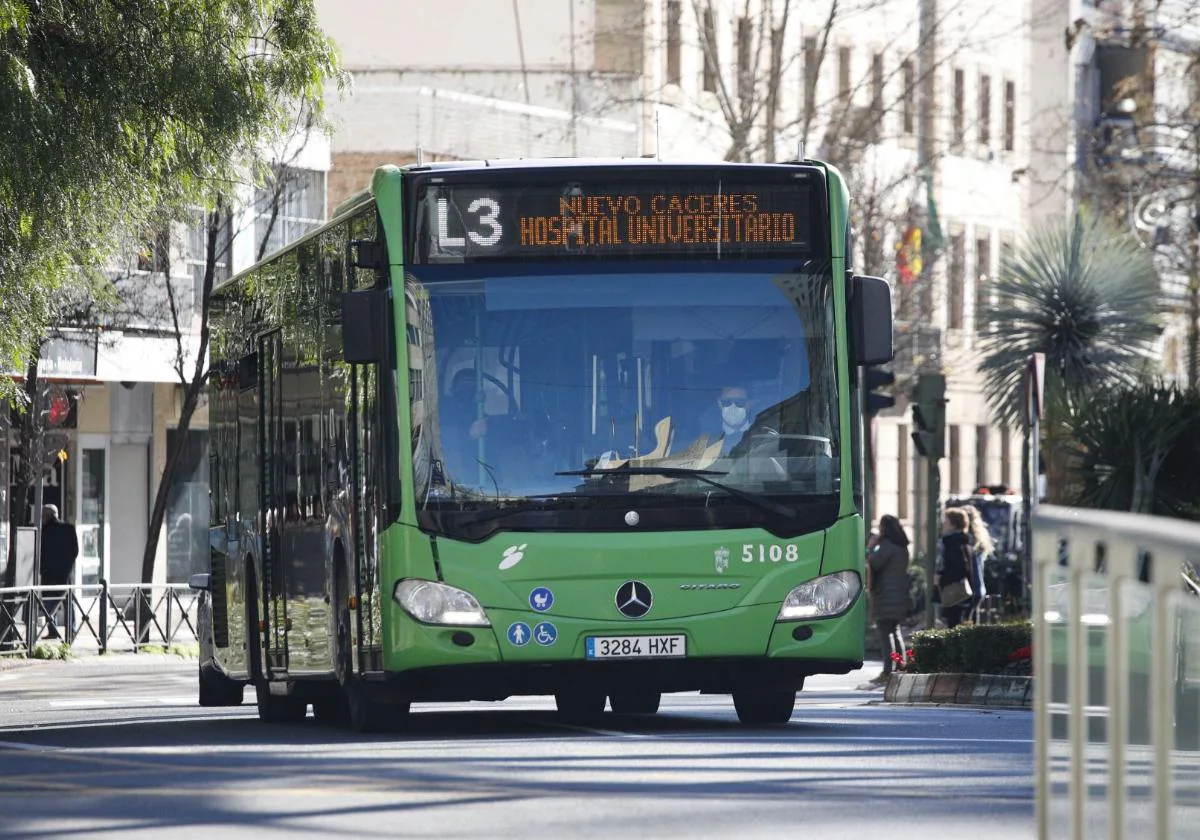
x: 634, y: 599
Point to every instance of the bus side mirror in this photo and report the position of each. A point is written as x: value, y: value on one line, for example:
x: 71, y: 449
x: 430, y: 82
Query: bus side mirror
x: 364, y: 326
x: 870, y: 321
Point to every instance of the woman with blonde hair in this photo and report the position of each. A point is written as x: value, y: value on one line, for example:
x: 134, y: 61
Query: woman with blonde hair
x: 982, y: 548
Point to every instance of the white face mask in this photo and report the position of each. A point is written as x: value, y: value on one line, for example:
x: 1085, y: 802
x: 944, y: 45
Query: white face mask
x: 733, y: 415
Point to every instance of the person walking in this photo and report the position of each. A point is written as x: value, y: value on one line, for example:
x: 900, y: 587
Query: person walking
x: 982, y: 548
x: 954, y: 574
x: 60, y: 548
x: 887, y: 564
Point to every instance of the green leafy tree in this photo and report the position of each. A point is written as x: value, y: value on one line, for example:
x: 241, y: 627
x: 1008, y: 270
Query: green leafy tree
x: 1139, y: 450
x: 114, y: 109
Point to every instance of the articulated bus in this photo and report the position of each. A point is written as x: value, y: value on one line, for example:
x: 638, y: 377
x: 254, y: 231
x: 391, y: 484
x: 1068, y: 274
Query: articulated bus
x: 572, y: 428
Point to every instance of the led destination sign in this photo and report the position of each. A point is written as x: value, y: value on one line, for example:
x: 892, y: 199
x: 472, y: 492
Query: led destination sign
x: 577, y: 219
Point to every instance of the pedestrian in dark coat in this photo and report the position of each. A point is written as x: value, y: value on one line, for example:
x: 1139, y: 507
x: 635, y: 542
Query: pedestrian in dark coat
x: 956, y: 563
x: 887, y: 562
x: 60, y: 547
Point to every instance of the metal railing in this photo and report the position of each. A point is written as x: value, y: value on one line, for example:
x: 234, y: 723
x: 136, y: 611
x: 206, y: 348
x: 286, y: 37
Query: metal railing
x: 1117, y: 665
x: 99, y: 617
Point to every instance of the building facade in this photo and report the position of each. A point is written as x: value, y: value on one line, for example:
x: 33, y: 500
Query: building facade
x: 1114, y: 128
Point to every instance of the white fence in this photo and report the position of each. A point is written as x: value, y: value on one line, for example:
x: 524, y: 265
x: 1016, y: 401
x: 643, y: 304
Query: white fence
x: 99, y: 618
x: 1117, y: 665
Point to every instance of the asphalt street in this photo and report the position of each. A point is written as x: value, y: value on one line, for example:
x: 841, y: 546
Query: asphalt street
x: 102, y: 746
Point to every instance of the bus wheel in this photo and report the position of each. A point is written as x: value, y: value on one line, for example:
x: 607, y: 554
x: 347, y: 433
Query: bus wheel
x: 579, y: 704
x: 332, y: 708
x: 216, y: 689
x: 635, y: 702
x: 370, y: 715
x: 764, y: 707
x: 278, y: 708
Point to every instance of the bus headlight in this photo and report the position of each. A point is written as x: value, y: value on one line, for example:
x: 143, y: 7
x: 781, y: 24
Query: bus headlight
x: 430, y: 602
x: 822, y: 597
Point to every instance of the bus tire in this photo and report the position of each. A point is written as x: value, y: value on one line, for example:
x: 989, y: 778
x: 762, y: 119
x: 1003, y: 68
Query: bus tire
x: 769, y: 708
x: 332, y: 708
x: 635, y: 702
x: 216, y: 689
x: 370, y: 715
x: 579, y: 704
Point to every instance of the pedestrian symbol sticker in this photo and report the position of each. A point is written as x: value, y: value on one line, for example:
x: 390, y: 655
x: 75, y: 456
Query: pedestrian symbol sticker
x: 518, y: 633
x: 544, y: 633
x: 541, y: 599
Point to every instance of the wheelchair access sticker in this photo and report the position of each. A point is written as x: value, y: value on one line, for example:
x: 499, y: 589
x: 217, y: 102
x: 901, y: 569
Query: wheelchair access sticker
x: 545, y: 633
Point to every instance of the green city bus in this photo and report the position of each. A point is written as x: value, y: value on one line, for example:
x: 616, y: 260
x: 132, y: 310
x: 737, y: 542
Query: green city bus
x: 572, y: 428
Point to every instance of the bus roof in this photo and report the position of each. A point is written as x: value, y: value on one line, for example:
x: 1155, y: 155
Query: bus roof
x: 568, y: 162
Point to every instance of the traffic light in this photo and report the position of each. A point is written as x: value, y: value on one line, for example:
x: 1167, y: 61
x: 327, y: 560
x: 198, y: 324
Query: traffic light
x: 61, y: 409
x: 929, y: 415
x: 875, y: 400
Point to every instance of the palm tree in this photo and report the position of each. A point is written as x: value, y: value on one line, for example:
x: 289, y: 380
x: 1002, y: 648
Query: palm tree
x: 1139, y: 450
x: 1084, y: 294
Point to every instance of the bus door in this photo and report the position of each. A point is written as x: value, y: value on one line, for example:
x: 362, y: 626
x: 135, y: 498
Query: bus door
x: 273, y: 504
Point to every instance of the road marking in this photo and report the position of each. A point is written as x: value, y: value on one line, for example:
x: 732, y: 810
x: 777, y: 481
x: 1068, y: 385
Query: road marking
x: 110, y: 702
x: 7, y: 677
x: 17, y: 745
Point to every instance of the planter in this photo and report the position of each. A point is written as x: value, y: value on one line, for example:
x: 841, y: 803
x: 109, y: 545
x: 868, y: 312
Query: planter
x: 960, y: 689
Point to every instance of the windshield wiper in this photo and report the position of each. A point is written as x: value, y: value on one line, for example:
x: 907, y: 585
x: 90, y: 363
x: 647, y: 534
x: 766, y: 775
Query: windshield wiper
x: 530, y: 503
x: 699, y: 475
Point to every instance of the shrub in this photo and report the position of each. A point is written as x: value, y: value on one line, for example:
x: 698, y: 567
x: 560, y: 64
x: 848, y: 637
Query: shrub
x: 55, y: 651
x: 974, y: 649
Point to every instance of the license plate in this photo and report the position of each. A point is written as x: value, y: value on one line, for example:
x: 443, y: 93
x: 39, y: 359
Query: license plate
x: 635, y: 647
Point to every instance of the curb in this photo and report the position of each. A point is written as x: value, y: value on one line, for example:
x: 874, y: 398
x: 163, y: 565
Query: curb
x: 960, y: 689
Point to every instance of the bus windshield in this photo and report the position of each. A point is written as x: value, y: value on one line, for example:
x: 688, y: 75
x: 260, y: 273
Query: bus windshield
x: 628, y: 379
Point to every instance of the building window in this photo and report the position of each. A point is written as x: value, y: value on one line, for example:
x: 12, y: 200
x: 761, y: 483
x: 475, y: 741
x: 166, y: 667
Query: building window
x: 983, y: 269
x: 1005, y: 456
x: 955, y: 458
x: 708, y: 43
x: 745, y: 73
x: 812, y: 66
x: 1010, y: 116
x: 876, y: 90
x: 618, y: 45
x: 959, y: 114
x: 674, y: 41
x: 188, y: 514
x: 902, y: 473
x: 1004, y: 301
x: 908, y: 106
x: 956, y: 279
x: 155, y: 254
x: 844, y: 75
x: 287, y: 208
x: 195, y: 255
x: 981, y: 456
x: 985, y: 110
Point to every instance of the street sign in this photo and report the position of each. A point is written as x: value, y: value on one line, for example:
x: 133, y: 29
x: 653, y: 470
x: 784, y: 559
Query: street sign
x: 1035, y: 379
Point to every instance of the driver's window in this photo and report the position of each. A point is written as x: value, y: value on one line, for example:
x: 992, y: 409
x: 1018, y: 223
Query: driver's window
x: 482, y: 369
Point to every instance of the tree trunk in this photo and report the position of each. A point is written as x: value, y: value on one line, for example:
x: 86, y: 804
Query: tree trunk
x: 191, y: 397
